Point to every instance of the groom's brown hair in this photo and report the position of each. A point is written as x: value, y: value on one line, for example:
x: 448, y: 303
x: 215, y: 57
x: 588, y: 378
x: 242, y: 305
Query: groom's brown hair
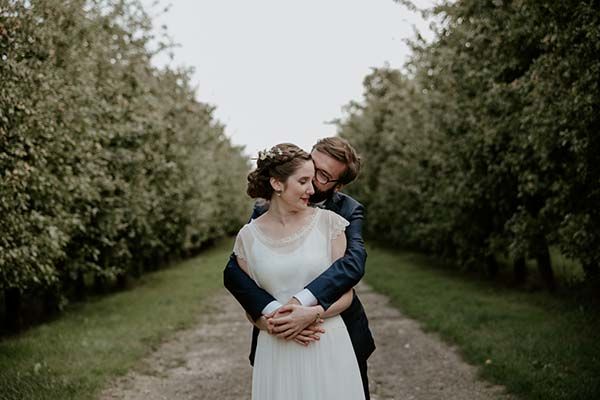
x: 341, y: 150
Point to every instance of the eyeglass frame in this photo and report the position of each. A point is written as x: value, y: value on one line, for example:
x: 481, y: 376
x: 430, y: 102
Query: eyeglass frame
x: 319, y: 170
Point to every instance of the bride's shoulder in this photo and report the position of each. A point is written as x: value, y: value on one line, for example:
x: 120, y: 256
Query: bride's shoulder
x: 331, y: 215
x: 332, y: 219
x: 260, y: 220
x: 245, y: 230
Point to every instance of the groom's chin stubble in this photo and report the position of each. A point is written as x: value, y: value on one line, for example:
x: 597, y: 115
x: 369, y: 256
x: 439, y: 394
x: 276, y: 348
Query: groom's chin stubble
x: 319, y: 196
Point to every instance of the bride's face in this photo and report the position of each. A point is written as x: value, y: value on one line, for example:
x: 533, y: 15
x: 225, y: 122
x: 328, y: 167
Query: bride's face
x: 299, y: 187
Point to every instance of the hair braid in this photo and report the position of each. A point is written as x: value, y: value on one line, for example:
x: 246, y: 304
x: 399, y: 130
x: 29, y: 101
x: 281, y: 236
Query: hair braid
x: 279, y: 162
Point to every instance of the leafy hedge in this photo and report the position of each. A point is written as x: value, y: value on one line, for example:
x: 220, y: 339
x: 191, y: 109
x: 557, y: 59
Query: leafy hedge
x: 108, y: 165
x: 489, y: 143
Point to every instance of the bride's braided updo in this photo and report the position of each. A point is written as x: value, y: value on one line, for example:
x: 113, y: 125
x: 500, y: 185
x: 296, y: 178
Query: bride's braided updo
x: 279, y: 162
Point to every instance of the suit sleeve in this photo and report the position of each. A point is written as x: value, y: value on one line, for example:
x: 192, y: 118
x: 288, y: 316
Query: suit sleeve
x: 250, y: 296
x: 347, y: 271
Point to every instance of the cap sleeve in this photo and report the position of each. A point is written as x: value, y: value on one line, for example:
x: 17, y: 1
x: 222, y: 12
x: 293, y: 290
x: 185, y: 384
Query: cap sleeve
x: 242, y: 248
x: 336, y: 224
x: 240, y: 245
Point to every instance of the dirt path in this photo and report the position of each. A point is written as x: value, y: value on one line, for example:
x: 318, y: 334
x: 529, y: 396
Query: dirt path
x: 210, y: 361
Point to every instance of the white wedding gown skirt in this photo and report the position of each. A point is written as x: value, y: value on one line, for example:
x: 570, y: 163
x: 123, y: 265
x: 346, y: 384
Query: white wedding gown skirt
x: 285, y: 370
x: 326, y: 369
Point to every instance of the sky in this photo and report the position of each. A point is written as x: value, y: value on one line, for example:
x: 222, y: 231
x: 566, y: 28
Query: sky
x: 279, y: 70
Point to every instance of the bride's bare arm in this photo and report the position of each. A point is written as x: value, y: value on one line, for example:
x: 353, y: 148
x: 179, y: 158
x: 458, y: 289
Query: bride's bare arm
x: 243, y: 265
x: 338, y: 307
x: 338, y: 248
x: 261, y: 323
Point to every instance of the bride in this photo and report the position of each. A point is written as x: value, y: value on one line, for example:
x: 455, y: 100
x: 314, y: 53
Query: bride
x: 283, y: 250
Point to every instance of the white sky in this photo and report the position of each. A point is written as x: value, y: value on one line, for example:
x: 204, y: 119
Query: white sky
x: 278, y: 70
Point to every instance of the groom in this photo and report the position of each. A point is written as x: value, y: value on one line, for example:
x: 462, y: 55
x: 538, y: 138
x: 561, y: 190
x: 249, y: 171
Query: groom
x: 336, y: 165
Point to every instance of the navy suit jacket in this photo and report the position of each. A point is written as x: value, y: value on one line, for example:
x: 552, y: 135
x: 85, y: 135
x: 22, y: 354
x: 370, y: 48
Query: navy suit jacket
x: 340, y: 277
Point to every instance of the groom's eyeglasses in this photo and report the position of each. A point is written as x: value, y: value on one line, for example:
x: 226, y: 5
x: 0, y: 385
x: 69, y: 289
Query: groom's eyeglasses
x: 322, y: 177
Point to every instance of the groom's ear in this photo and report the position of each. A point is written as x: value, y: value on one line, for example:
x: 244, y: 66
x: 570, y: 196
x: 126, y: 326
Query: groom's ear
x: 339, y: 187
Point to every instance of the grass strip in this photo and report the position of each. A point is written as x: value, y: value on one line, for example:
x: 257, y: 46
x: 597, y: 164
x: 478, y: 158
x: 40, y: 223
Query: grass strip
x: 537, y: 345
x: 74, y: 356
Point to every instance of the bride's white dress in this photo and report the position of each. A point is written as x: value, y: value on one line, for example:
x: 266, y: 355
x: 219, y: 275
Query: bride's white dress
x: 285, y: 370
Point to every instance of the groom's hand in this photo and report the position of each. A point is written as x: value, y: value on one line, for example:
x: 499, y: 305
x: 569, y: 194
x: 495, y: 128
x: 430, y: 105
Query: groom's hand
x: 290, y: 320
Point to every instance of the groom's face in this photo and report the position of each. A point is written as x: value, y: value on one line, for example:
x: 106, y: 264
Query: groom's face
x: 327, y: 173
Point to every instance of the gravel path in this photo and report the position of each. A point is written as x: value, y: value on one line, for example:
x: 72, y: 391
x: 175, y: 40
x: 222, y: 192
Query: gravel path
x: 210, y: 361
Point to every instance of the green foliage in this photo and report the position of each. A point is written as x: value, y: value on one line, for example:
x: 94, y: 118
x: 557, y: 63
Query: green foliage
x: 538, y: 346
x: 489, y: 144
x: 108, y: 165
x: 77, y: 355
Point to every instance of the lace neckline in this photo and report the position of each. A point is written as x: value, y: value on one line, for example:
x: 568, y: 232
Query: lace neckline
x: 287, y: 239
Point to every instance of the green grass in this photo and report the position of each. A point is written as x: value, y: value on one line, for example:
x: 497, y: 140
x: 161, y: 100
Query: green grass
x: 74, y: 356
x: 538, y: 346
